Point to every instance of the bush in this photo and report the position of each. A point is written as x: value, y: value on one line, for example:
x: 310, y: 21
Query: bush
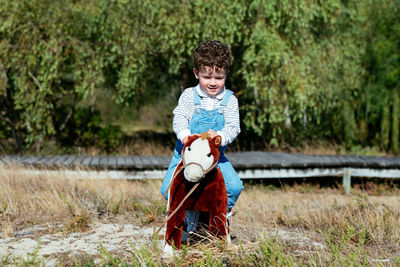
x: 85, y: 129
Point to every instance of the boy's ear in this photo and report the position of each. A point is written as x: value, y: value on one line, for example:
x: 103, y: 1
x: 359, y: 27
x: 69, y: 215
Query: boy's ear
x: 196, y: 73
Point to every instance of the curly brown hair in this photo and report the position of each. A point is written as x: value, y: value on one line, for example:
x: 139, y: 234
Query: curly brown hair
x: 212, y: 54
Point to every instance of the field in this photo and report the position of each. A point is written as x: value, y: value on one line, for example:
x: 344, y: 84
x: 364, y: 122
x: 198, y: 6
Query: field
x: 49, y: 219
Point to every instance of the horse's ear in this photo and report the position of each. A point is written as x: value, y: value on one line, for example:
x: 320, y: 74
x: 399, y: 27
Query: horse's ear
x: 217, y: 140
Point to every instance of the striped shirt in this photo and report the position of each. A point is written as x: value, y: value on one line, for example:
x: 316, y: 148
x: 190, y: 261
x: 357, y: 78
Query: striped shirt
x: 184, y: 111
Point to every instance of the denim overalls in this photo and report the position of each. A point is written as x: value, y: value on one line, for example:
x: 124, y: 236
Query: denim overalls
x: 203, y: 120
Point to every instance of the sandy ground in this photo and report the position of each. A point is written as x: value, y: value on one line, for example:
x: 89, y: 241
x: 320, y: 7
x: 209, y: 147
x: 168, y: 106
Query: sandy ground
x: 118, y: 239
x: 56, y: 247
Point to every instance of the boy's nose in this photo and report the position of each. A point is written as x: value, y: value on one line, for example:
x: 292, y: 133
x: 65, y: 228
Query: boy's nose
x: 212, y: 82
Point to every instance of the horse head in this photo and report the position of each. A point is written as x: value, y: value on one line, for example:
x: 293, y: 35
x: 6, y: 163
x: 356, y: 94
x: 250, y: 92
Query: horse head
x: 200, y: 155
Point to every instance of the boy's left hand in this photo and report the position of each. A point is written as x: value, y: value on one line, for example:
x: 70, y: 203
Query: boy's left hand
x: 212, y: 133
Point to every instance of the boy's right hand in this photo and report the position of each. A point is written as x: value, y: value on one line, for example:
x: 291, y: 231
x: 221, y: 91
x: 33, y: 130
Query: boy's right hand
x: 185, y: 139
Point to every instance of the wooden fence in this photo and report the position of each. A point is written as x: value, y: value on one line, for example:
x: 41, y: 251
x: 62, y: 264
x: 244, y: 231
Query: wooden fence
x: 249, y: 165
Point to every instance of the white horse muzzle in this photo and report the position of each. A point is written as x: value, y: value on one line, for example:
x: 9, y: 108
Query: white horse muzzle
x: 193, y: 173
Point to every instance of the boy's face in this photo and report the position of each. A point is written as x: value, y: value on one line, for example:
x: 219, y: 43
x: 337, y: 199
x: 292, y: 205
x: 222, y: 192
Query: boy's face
x: 211, y: 80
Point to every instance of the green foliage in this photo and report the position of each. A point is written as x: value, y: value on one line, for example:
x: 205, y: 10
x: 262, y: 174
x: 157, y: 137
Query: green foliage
x: 380, y: 102
x: 301, y: 62
x: 44, y: 61
x: 302, y: 69
x: 85, y: 129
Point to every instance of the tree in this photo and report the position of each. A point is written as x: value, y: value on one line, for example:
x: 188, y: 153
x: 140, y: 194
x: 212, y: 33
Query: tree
x: 301, y: 69
x: 302, y: 60
x: 380, y: 105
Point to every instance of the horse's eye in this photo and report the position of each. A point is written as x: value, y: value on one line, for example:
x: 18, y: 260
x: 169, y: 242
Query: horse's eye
x: 189, y: 149
x: 209, y: 155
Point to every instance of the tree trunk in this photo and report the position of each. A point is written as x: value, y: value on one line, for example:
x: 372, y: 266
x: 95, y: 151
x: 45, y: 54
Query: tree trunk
x: 349, y: 124
x: 9, y: 115
x: 288, y: 119
x: 304, y: 117
x: 385, y: 126
x: 395, y: 122
x: 3, y: 79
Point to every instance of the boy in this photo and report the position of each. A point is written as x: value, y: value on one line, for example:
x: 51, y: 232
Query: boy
x: 208, y: 107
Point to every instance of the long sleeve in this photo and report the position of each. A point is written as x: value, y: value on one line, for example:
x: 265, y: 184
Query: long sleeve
x: 232, y: 122
x: 183, y: 113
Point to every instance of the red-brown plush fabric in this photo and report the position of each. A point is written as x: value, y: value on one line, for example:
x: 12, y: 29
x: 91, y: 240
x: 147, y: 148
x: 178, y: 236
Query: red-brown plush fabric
x: 210, y: 196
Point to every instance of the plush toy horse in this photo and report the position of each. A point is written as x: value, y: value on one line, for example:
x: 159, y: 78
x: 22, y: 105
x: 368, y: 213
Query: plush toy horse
x: 200, y: 156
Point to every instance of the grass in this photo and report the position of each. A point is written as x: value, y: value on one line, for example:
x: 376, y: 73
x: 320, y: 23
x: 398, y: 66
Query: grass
x: 146, y: 140
x: 296, y: 225
x: 47, y: 197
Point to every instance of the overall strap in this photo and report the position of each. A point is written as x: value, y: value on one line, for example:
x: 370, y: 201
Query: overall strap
x: 224, y: 101
x: 196, y: 97
x: 197, y: 102
x: 227, y: 95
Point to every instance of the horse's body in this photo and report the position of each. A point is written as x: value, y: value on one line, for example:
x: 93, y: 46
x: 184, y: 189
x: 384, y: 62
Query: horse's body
x: 199, y: 157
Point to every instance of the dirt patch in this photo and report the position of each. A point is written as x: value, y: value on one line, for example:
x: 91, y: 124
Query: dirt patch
x: 56, y: 247
x: 53, y: 247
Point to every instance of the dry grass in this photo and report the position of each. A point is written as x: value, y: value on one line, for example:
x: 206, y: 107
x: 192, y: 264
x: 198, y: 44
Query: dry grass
x: 293, y: 225
x: 138, y: 148
x: 325, y: 216
x: 28, y: 198
x: 149, y: 142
